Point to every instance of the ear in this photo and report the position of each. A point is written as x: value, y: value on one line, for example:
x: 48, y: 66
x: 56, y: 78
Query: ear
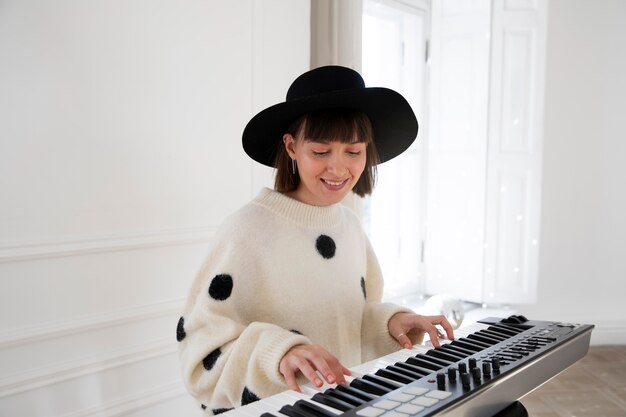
x: 290, y: 143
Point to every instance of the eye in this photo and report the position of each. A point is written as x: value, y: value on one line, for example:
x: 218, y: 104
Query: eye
x: 320, y: 153
x: 354, y: 153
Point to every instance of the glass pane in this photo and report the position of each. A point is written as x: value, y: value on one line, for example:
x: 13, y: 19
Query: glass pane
x: 393, y: 56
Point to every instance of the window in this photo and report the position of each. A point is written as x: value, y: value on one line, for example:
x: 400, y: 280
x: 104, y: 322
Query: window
x: 393, y: 56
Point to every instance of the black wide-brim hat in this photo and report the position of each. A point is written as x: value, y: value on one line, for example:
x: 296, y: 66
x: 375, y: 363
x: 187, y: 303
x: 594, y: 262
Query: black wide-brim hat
x: 333, y: 87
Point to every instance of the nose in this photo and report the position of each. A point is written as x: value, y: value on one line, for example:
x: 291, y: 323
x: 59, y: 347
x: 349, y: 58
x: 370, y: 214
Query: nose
x: 336, y: 166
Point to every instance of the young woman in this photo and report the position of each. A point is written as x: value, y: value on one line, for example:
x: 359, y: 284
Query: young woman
x: 291, y: 289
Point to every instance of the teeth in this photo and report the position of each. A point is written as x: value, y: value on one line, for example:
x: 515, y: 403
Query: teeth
x: 335, y: 183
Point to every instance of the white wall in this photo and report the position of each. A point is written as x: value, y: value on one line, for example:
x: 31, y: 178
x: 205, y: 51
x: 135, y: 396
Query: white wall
x: 582, y: 273
x: 120, y: 127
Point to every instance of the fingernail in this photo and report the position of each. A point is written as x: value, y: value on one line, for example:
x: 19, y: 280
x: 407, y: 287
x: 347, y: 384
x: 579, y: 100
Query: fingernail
x: 330, y: 379
x: 318, y: 382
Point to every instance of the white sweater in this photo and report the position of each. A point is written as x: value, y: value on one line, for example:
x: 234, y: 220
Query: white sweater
x: 280, y: 273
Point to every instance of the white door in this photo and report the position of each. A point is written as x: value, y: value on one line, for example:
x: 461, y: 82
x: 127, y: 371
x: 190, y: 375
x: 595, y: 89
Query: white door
x: 515, y: 151
x: 484, y: 155
x: 457, y: 151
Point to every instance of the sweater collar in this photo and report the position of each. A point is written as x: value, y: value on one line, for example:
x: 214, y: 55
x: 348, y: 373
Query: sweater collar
x: 300, y: 213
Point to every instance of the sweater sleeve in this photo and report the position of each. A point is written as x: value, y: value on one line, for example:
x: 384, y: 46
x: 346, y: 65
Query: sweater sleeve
x: 375, y: 338
x: 227, y: 361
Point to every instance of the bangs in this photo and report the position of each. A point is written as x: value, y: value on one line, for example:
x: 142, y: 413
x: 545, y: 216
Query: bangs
x: 346, y: 126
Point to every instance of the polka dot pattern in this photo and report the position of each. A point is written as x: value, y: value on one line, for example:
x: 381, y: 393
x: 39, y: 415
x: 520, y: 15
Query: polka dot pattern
x: 363, y: 287
x: 221, y: 287
x: 248, y: 397
x: 211, y: 358
x: 325, y: 246
x: 180, y: 330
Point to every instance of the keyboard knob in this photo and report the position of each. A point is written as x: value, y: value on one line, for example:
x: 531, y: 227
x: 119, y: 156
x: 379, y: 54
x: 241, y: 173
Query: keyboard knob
x: 441, y: 380
x: 465, y: 380
x: 452, y: 374
x: 495, y: 364
x: 462, y: 368
x: 472, y: 363
x: 486, y: 368
x: 476, y: 374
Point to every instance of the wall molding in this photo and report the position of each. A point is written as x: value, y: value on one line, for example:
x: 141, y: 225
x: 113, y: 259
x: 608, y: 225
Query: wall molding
x: 127, y: 405
x: 49, y: 375
x: 80, y: 245
x: 57, y: 329
x: 608, y: 332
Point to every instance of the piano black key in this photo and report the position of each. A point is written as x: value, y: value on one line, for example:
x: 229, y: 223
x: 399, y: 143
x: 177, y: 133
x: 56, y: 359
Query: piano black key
x: 504, y: 330
x: 495, y: 335
x: 355, y: 392
x: 411, y: 374
x: 489, y: 338
x: 383, y: 382
x: 479, y: 342
x: 458, y: 350
x: 414, y: 368
x: 311, y: 408
x: 440, y: 361
x: 483, y: 338
x: 332, y: 402
x: 439, y: 353
x: 350, y: 399
x: 394, y: 376
x: 291, y: 411
x: 369, y: 387
x: 467, y: 344
x: 424, y: 363
x: 266, y: 414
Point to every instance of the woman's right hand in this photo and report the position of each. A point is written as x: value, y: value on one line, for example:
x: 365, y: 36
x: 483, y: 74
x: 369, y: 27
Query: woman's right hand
x: 309, y: 360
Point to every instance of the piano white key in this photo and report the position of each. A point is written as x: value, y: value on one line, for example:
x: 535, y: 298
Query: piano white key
x: 290, y: 397
x: 273, y: 406
x: 255, y: 410
x: 241, y: 412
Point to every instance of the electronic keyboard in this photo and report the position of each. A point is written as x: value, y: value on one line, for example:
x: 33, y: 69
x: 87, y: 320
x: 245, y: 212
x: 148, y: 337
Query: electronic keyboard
x: 488, y: 366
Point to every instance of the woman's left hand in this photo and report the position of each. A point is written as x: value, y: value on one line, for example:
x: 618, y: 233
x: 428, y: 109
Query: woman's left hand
x: 402, y: 323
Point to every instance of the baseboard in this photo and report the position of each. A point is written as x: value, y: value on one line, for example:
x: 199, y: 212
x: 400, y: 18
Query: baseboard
x: 609, y: 332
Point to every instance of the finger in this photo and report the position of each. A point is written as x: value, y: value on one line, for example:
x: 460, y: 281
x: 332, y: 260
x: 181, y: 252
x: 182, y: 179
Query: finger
x: 434, y: 336
x: 404, y: 340
x: 309, y: 372
x: 330, y: 368
x: 344, y: 371
x: 290, y: 379
x: 448, y: 328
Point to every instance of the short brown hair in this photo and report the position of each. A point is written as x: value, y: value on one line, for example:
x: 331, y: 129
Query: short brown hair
x: 346, y: 126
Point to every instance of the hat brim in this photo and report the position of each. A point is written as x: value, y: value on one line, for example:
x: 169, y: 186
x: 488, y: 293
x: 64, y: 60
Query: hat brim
x: 393, y: 121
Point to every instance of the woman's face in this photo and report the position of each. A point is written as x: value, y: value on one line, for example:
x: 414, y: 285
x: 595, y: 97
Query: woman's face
x: 328, y: 171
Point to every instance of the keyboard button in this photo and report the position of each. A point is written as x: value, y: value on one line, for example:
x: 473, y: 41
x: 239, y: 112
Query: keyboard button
x: 440, y: 395
x: 402, y: 397
x: 387, y: 404
x: 409, y: 409
x: 370, y: 412
x: 425, y: 401
x: 415, y: 390
x: 394, y: 414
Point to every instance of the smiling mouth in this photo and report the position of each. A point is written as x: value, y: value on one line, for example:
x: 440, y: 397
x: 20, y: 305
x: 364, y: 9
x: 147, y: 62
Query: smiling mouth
x: 334, y: 185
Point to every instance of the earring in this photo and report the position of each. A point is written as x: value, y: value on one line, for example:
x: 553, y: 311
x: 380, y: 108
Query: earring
x: 293, y: 166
